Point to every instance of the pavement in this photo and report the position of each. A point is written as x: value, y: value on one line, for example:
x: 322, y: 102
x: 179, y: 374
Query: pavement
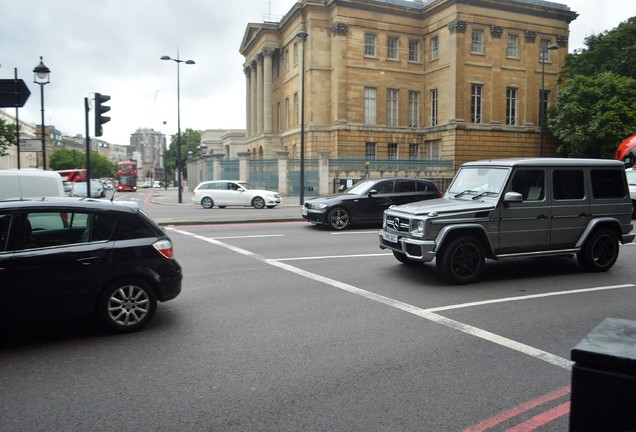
x: 188, y: 213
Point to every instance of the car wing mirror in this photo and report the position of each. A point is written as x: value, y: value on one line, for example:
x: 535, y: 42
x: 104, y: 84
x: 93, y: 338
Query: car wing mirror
x: 372, y: 192
x: 512, y: 197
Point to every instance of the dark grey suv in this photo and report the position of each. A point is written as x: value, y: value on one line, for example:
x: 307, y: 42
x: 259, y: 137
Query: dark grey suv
x: 516, y: 208
x: 70, y: 256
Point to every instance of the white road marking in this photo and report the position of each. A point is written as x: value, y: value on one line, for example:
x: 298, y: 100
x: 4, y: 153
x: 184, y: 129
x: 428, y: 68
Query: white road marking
x: 249, y: 236
x: 331, y: 257
x: 429, y: 313
x: 354, y: 232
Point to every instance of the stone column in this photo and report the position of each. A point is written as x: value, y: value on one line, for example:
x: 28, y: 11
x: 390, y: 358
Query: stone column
x: 253, y: 101
x: 323, y: 173
x: 216, y: 164
x: 267, y: 90
x: 259, y: 94
x: 283, y: 158
x: 244, y: 165
x: 248, y: 100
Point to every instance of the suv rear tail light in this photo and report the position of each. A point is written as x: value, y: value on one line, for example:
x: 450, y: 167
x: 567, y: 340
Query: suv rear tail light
x: 164, y: 247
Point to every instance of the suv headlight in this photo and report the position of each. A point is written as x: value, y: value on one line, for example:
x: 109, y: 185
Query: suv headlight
x: 419, y: 228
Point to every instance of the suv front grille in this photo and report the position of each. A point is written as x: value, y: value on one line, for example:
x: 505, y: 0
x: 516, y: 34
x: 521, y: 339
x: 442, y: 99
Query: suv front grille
x: 398, y: 224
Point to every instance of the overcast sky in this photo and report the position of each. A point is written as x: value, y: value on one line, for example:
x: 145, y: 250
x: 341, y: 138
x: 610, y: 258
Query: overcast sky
x: 114, y: 47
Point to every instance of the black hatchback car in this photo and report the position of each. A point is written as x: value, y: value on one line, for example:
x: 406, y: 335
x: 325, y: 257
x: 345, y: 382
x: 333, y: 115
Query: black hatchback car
x: 72, y: 256
x: 365, y: 202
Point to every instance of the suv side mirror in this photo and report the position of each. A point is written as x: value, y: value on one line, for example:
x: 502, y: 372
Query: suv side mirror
x: 513, y: 197
x: 372, y: 192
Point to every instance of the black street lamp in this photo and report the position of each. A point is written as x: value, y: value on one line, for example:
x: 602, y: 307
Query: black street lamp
x: 302, y: 35
x: 41, y: 77
x: 179, y: 162
x: 544, y: 56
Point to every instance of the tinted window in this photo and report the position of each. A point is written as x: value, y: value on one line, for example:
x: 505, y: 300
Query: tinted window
x: 58, y: 228
x: 568, y: 184
x: 607, y: 183
x: 530, y: 184
x: 102, y: 227
x: 384, y: 186
x: 423, y: 186
x: 132, y: 226
x: 404, y: 186
x: 5, y: 226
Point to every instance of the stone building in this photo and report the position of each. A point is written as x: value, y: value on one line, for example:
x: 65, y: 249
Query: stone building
x: 433, y: 79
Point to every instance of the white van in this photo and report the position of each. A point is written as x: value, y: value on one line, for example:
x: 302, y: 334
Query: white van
x: 30, y: 183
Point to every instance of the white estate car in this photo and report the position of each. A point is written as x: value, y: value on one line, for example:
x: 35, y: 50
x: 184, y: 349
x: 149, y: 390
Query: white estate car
x: 223, y: 193
x: 631, y: 182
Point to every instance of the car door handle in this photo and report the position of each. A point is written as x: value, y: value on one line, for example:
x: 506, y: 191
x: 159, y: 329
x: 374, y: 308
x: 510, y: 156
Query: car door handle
x: 542, y: 217
x: 87, y: 260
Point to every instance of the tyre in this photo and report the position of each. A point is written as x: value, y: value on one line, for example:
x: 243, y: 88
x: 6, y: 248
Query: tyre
x: 271, y: 207
x: 338, y: 219
x: 207, y: 203
x: 126, y: 306
x: 222, y: 206
x: 600, y: 251
x: 404, y: 259
x: 462, y: 260
x: 258, y: 202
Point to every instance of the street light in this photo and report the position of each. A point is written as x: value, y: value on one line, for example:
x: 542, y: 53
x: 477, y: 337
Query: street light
x: 302, y: 35
x: 41, y: 77
x: 178, y: 61
x: 544, y: 52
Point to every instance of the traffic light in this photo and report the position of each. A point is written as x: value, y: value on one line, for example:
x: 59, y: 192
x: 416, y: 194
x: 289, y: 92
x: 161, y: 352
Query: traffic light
x: 99, y: 110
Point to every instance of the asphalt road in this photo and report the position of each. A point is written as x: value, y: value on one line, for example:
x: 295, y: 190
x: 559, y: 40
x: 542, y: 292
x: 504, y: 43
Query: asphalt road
x: 289, y: 327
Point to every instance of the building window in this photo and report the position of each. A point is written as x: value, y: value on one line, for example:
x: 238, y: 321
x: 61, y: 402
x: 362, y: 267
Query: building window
x: 392, y: 150
x: 369, y: 150
x: 414, y: 50
x: 513, y: 46
x: 433, y: 150
x: 369, y: 106
x: 296, y: 122
x: 392, y: 48
x: 434, y: 100
x: 414, y: 109
x: 476, y: 92
x: 544, y: 96
x: 434, y: 48
x: 545, y: 52
x: 286, y: 59
x: 279, y: 110
x: 477, y: 42
x: 511, y: 106
x: 369, y: 45
x: 392, y: 107
x: 414, y: 151
x: 295, y: 53
x: 286, y: 113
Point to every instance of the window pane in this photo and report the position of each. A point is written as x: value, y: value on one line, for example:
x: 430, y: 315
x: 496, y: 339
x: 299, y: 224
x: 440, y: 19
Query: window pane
x: 477, y: 45
x: 475, y: 103
x: 369, y: 45
x: 392, y: 48
x: 434, y: 48
x: 392, y: 108
x: 414, y: 50
x: 369, y: 106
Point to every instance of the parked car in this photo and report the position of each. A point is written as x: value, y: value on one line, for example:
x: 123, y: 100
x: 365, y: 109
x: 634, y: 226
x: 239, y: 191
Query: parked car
x: 631, y: 183
x: 223, y: 193
x: 146, y: 184
x: 516, y: 208
x: 30, y: 183
x: 68, y: 256
x: 366, y: 201
x: 156, y: 184
x: 97, y: 189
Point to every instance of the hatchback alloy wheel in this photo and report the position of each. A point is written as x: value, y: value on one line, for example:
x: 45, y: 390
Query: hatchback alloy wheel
x: 127, y: 306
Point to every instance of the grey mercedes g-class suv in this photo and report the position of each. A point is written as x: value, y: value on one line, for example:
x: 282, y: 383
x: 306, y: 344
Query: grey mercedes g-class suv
x: 516, y: 208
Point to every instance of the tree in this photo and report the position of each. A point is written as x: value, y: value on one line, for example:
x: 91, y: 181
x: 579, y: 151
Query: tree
x: 64, y: 158
x: 597, y: 109
x: 190, y: 141
x: 7, y: 136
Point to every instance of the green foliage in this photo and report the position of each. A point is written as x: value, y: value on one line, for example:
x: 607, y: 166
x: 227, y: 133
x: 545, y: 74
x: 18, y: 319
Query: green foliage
x: 597, y: 109
x: 7, y: 136
x: 190, y: 141
x: 63, y: 158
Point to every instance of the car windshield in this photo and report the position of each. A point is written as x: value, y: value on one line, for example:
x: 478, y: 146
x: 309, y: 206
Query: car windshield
x: 478, y: 181
x: 360, y: 187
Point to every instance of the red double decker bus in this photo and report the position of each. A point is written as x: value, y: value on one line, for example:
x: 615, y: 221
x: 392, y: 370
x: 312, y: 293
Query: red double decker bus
x: 127, y: 176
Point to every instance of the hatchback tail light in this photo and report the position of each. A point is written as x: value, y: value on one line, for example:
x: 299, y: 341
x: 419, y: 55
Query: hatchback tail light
x: 164, y: 247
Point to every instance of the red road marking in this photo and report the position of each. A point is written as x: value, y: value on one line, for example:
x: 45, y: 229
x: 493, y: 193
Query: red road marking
x: 542, y: 419
x: 520, y: 409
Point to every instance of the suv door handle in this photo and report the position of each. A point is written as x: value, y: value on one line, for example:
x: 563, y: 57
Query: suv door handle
x: 87, y: 260
x: 583, y: 215
x: 542, y: 217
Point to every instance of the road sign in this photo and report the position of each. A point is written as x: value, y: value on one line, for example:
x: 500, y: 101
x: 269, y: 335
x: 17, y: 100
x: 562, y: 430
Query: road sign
x: 31, y: 145
x: 13, y: 93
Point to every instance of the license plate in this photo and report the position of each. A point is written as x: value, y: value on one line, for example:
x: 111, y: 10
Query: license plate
x: 393, y: 238
x: 303, y: 211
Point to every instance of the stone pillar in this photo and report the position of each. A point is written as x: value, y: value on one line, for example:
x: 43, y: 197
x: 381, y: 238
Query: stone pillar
x: 253, y: 101
x: 267, y: 90
x: 244, y: 165
x: 259, y: 94
x: 216, y: 165
x: 323, y: 173
x: 283, y: 158
x: 248, y: 100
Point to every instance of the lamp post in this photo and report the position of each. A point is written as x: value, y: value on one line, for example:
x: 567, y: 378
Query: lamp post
x: 544, y: 52
x: 41, y: 77
x: 179, y: 162
x: 302, y: 35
